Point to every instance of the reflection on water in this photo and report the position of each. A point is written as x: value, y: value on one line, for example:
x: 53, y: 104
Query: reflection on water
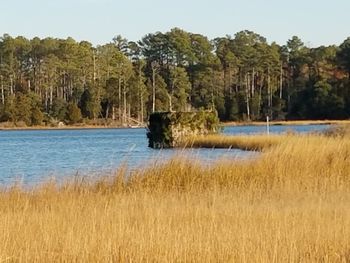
x: 34, y: 156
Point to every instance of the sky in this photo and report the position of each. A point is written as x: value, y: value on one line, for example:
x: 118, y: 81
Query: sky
x: 321, y: 22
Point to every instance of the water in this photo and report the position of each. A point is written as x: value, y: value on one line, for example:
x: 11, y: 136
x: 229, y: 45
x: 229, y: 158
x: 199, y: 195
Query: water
x: 36, y: 155
x: 250, y: 129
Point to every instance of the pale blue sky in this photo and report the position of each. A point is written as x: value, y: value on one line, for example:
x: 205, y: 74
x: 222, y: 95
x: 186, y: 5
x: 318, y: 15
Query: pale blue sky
x: 98, y: 21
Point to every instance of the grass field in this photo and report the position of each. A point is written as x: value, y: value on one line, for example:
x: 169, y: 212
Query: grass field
x: 290, y: 205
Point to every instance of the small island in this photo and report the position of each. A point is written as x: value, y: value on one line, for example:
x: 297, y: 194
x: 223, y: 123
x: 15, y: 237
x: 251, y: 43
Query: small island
x: 170, y: 129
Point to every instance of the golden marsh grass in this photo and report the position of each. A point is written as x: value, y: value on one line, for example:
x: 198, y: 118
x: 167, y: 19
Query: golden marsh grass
x: 289, y: 205
x: 245, y: 142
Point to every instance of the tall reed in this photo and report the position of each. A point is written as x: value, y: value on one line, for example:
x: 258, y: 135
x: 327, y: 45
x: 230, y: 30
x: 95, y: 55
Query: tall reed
x: 289, y: 205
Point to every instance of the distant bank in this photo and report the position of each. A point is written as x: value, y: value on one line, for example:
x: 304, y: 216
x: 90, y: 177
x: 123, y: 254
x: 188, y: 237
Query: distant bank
x: 9, y: 127
x: 67, y: 127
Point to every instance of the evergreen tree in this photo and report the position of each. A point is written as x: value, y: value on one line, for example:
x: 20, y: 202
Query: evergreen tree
x: 242, y: 77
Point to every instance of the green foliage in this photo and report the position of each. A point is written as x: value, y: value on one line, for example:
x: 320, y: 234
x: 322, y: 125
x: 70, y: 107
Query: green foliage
x: 180, y: 88
x: 278, y: 106
x: 73, y: 113
x: 37, y: 117
x: 343, y: 55
x: 242, y: 77
x: 59, y: 109
x: 168, y: 129
x: 325, y: 102
x: 8, y: 110
x: 232, y: 108
x: 90, y: 103
x: 23, y: 109
x: 162, y: 96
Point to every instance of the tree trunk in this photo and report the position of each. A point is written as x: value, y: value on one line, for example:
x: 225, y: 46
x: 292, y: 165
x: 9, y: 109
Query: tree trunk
x: 260, y: 91
x: 119, y: 99
x: 212, y: 90
x: 281, y: 82
x: 46, y: 100
x: 141, y: 106
x: 11, y: 85
x: 2, y: 92
x: 129, y: 111
x: 247, y: 97
x: 94, y: 61
x: 124, y: 107
x: 225, y: 80
x: 269, y: 104
x: 64, y: 87
x: 51, y: 96
x: 140, y: 93
x: 153, y: 89
x: 170, y: 96
x: 253, y: 82
x: 170, y: 103
x: 107, y: 111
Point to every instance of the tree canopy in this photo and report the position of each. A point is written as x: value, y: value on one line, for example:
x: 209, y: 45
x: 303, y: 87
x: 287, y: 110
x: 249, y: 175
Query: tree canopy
x: 242, y: 77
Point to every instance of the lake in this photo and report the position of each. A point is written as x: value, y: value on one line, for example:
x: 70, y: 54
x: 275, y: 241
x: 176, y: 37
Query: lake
x: 31, y: 156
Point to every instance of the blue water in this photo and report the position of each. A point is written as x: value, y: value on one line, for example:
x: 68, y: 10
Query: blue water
x: 249, y: 129
x: 36, y: 155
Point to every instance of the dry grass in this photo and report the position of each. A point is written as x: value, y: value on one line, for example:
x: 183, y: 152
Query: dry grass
x: 290, y: 205
x: 338, y: 131
x: 245, y: 142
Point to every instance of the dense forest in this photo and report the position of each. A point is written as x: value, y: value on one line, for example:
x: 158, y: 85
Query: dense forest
x: 244, y: 77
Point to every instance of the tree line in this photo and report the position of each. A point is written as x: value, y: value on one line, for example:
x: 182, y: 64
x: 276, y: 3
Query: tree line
x: 242, y: 77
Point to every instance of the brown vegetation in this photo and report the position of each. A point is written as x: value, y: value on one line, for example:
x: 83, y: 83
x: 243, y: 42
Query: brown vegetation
x: 245, y: 142
x: 289, y: 205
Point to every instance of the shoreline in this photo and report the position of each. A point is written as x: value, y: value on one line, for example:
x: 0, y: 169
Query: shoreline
x: 224, y: 124
x: 43, y: 128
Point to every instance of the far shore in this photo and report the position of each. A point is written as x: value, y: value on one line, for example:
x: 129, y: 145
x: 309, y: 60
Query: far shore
x: 66, y: 127
x: 7, y: 127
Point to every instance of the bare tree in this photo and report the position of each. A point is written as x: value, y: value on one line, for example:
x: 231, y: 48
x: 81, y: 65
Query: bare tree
x: 154, y: 66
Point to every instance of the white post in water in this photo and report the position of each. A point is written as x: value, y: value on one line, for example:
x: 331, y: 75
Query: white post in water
x: 268, y: 125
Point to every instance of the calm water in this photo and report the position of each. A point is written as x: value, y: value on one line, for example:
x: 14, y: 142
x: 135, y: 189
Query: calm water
x: 274, y: 129
x: 34, y: 156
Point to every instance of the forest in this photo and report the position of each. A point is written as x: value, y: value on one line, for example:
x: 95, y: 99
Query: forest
x: 242, y: 77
